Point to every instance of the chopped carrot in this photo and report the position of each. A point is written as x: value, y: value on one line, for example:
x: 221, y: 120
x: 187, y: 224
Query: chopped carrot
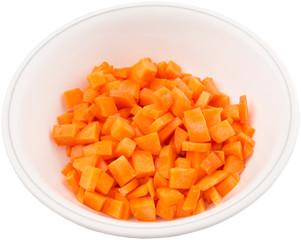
x: 143, y: 209
x: 73, y: 97
x: 221, y: 131
x: 166, y: 160
x: 128, y: 187
x: 182, y: 178
x: 104, y: 183
x: 151, y: 140
x: 72, y: 180
x: 234, y: 148
x: 196, y: 126
x: 225, y: 186
x: 113, y: 208
x: 122, y: 171
x: 94, y: 200
x: 146, y: 97
x: 89, y: 134
x: 64, y: 134
x: 143, y: 163
x: 89, y: 178
x: 210, y: 180
x: 125, y: 147
x: 165, y: 211
x: 150, y: 143
x: 196, y: 147
x: 234, y: 165
x: 169, y: 196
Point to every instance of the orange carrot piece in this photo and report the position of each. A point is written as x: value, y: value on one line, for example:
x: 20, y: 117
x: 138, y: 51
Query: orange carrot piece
x: 161, y: 70
x: 131, y: 87
x: 144, y: 71
x: 106, y: 106
x: 80, y: 163
x: 89, y: 150
x: 191, y: 200
x: 105, y: 90
x: 65, y: 118
x: 153, y: 111
x: 89, y: 178
x: 203, y: 99
x: 235, y: 149
x: 89, y: 94
x: 140, y: 191
x: 225, y: 186
x: 214, y: 195
x: 128, y: 187
x: 121, y: 129
x: 245, y: 139
x: 210, y: 86
x: 146, y: 97
x: 182, y: 178
x: 184, y: 88
x: 142, y: 122
x: 73, y: 97
x: 150, y: 143
x: 122, y: 72
x: 169, y: 196
x: 165, y: 211
x: 127, y: 214
x: 220, y: 101
x: 162, y: 98
x: 221, y: 131
x: 76, y: 152
x: 94, y: 200
x: 125, y: 147
x: 212, y: 116
x: 180, y: 212
x: 89, y: 134
x: 160, y: 181
x: 101, y: 67
x: 143, y: 164
x: 237, y: 127
x: 173, y: 70
x: 182, y: 163
x: 211, y: 163
x: 243, y: 109
x: 166, y: 160
x: 122, y: 171
x: 80, y: 195
x: 248, y: 130
x: 102, y: 165
x: 105, y: 148
x: 96, y: 80
x: 135, y: 109
x: 113, y: 208
x: 67, y: 169
x: 161, y: 122
x: 122, y: 99
x: 196, y: 147
x: 169, y: 129
x: 200, y: 207
x: 210, y: 180
x: 64, y: 134
x: 106, y: 128
x: 180, y: 136
x: 234, y: 165
x: 180, y: 103
x: 150, y: 187
x: 196, y: 86
x: 104, y: 183
x: 196, y: 126
x: 247, y: 149
x: 143, y: 209
x: 72, y: 180
x: 231, y: 111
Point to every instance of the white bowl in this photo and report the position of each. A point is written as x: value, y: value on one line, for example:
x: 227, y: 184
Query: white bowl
x: 203, y: 43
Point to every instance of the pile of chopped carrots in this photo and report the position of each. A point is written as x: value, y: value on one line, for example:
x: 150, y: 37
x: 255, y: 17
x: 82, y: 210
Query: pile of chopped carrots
x: 150, y: 140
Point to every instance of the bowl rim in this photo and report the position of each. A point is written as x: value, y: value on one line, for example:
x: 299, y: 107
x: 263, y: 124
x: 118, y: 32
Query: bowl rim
x: 149, y: 231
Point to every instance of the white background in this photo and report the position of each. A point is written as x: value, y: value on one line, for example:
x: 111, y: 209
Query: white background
x: 276, y: 215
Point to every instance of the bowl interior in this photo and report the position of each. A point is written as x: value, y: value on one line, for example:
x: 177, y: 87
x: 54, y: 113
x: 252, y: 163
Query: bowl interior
x: 201, y: 43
